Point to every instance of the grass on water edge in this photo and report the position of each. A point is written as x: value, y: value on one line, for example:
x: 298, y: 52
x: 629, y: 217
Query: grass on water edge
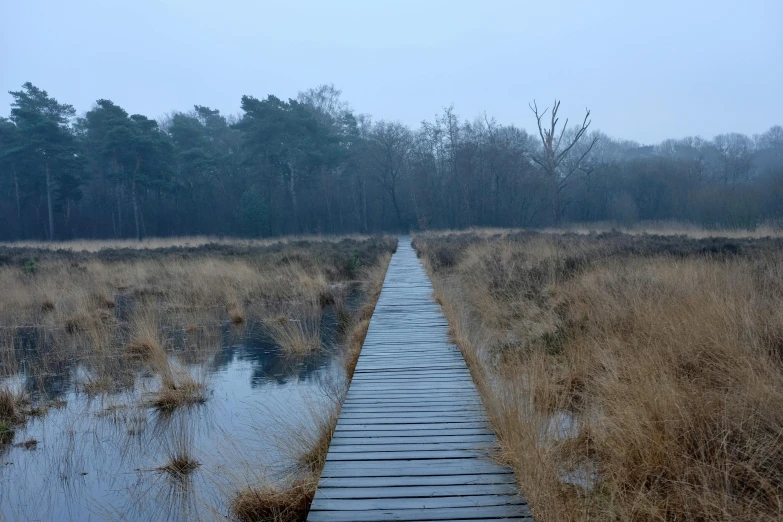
x: 290, y: 501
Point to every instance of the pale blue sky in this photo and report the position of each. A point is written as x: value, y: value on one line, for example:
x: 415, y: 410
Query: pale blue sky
x: 647, y: 70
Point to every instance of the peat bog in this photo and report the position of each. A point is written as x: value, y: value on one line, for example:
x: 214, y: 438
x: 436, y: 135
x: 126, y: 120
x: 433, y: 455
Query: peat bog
x: 174, y: 383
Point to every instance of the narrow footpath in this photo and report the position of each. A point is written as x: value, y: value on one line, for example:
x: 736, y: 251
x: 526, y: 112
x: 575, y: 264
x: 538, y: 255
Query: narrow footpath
x: 412, y: 440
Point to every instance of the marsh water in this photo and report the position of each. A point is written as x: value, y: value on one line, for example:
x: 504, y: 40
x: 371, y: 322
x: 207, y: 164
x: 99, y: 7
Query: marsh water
x: 103, y: 457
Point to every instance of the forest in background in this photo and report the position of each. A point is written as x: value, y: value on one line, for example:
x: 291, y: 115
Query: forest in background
x: 313, y: 165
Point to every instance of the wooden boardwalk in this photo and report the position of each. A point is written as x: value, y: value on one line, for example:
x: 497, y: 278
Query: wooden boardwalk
x: 412, y: 439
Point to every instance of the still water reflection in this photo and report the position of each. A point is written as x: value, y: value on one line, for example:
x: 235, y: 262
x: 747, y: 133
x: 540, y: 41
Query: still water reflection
x: 100, y: 458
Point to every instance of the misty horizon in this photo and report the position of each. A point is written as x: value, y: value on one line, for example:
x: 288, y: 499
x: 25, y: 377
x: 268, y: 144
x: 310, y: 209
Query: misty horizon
x: 673, y: 71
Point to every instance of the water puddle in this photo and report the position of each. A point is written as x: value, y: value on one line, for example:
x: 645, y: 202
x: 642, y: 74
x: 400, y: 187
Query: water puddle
x: 104, y: 456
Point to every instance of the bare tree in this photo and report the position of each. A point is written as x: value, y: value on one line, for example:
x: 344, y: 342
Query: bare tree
x: 555, y: 151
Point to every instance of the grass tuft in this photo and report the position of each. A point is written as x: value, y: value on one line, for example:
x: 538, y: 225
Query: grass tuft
x: 278, y: 503
x: 30, y: 444
x: 300, y: 334
x: 180, y: 464
x: 11, y: 404
x: 182, y: 391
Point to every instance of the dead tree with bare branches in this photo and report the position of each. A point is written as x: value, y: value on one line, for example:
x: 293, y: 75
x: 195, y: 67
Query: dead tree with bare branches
x: 551, y: 159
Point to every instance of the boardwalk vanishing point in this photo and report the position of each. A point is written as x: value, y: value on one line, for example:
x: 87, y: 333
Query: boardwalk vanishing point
x: 412, y: 440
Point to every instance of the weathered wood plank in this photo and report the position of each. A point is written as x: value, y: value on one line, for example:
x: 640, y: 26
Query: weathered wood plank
x: 413, y: 454
x: 418, y: 491
x: 421, y: 480
x: 405, y: 503
x: 421, y: 446
x: 416, y: 439
x: 411, y: 515
x: 410, y: 468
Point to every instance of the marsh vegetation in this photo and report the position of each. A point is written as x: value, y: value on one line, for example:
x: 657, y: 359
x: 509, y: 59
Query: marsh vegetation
x: 629, y: 377
x: 152, y: 383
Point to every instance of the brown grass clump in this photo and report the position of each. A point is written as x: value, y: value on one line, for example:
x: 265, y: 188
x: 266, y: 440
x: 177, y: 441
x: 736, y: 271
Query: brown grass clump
x: 299, y: 334
x: 141, y: 348
x: 11, y: 404
x: 30, y: 444
x: 145, y: 341
x: 7, y: 404
x: 180, y: 464
x: 179, y: 389
x: 236, y: 316
x: 275, y: 503
x: 628, y: 377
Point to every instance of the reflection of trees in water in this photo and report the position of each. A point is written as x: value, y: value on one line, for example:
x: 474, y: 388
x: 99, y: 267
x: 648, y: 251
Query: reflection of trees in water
x: 44, y: 370
x: 52, y: 363
x: 271, y: 364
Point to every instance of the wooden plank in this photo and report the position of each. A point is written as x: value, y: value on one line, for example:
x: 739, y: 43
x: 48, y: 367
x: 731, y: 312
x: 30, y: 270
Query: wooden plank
x: 417, y: 491
x: 419, y: 401
x: 412, y: 515
x: 399, y: 416
x: 463, y: 392
x: 413, y: 454
x: 405, y: 503
x: 386, y: 399
x: 416, y: 439
x: 413, y: 407
x: 393, y: 448
x: 409, y: 468
x: 412, y: 423
x: 425, y: 418
x: 384, y: 385
x: 451, y: 432
x: 420, y: 480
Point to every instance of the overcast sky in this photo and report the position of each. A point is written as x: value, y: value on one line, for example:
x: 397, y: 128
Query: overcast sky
x: 670, y: 69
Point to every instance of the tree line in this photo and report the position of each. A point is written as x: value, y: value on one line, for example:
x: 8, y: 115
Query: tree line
x: 312, y: 165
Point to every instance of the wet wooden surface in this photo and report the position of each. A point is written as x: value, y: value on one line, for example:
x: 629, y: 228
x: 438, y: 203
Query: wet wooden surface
x: 412, y: 440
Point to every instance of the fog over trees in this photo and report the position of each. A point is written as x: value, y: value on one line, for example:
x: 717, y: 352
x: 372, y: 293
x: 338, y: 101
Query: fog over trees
x: 313, y: 165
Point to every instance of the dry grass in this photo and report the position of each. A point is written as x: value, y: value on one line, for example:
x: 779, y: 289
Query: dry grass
x: 652, y: 380
x: 271, y: 502
x: 8, y: 410
x: 659, y: 228
x: 180, y: 465
x: 300, y: 333
x: 153, y: 243
x: 76, y: 292
x: 182, y: 391
x: 87, y: 305
x: 668, y: 228
x: 181, y: 461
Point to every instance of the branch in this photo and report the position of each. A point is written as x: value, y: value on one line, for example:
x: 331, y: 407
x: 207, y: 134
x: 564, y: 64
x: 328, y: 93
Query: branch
x: 582, y: 157
x: 579, y: 134
x: 534, y: 108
